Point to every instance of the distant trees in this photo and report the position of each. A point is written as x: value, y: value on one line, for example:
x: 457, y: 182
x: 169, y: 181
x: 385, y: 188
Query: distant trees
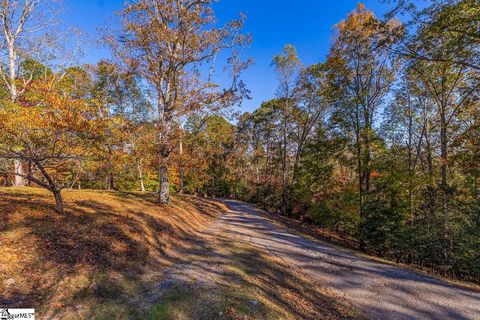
x: 380, y: 142
x: 209, y: 144
x: 130, y: 112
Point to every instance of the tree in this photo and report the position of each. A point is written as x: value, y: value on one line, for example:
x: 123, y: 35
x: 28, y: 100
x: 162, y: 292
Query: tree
x: 287, y: 65
x: 208, y: 147
x: 21, y: 25
x: 362, y: 70
x: 166, y: 42
x: 130, y: 113
x: 260, y: 135
x: 454, y: 21
x: 49, y: 129
x: 311, y: 110
x: 451, y: 86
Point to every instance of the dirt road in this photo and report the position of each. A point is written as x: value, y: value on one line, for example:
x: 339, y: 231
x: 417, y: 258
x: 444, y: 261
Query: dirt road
x: 382, y: 291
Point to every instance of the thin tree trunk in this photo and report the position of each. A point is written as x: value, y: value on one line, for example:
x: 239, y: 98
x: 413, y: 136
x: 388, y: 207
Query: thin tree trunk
x: 19, y: 181
x: 475, y: 152
x: 410, y: 165
x: 109, y: 179
x: 284, y: 161
x: 140, y: 175
x: 257, y: 180
x: 49, y: 185
x: 180, y: 166
x: 429, y: 153
x: 443, y: 151
x: 361, y: 176
x: 368, y: 152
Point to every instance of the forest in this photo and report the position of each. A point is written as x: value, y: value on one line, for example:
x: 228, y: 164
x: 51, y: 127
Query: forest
x: 379, y: 142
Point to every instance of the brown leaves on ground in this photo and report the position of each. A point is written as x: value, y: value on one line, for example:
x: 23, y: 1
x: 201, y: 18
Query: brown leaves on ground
x: 101, y: 248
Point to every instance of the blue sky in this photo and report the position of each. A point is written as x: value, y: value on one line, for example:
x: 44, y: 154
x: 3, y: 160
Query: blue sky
x: 307, y: 24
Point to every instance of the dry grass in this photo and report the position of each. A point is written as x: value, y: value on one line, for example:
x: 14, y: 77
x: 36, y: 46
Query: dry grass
x: 98, y: 255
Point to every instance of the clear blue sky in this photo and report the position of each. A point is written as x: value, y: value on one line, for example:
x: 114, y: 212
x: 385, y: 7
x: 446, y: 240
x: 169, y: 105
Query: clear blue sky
x: 307, y: 24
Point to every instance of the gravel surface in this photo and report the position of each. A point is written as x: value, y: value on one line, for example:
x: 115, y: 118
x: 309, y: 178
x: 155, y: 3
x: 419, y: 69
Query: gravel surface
x: 382, y: 291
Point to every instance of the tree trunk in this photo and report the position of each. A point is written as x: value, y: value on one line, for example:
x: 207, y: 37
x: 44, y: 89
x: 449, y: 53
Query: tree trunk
x: 443, y: 151
x: 257, y: 180
x: 180, y: 166
x: 361, y: 176
x: 164, y: 187
x: 111, y: 182
x: 109, y: 179
x: 18, y: 180
x: 476, y: 173
x: 284, y: 162
x: 58, y: 201
x: 410, y: 173
x: 164, y: 127
x: 429, y: 153
x: 140, y: 175
x: 368, y: 151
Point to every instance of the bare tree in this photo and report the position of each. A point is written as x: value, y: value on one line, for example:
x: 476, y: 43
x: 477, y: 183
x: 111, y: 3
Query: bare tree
x: 21, y: 26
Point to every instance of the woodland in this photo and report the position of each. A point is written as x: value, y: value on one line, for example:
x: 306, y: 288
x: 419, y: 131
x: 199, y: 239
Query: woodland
x: 380, y: 142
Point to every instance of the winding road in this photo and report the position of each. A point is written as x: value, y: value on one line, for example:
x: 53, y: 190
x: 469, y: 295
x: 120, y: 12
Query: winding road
x: 380, y: 290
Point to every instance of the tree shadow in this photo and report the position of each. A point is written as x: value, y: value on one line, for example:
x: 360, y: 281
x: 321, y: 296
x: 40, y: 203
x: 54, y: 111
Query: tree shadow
x: 98, y: 250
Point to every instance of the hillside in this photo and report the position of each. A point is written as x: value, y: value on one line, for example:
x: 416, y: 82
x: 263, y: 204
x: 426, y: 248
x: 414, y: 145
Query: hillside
x: 116, y: 255
x: 103, y: 248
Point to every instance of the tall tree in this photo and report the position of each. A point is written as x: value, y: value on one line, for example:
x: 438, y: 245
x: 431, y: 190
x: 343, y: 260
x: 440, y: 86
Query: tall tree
x: 362, y: 69
x: 450, y: 84
x: 21, y: 25
x: 287, y: 65
x: 311, y: 109
x: 166, y: 42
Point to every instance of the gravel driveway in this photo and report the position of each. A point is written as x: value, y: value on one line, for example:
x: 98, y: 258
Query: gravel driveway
x: 382, y: 291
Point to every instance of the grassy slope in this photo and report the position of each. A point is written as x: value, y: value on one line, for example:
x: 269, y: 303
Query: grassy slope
x: 106, y: 246
x: 105, y: 259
